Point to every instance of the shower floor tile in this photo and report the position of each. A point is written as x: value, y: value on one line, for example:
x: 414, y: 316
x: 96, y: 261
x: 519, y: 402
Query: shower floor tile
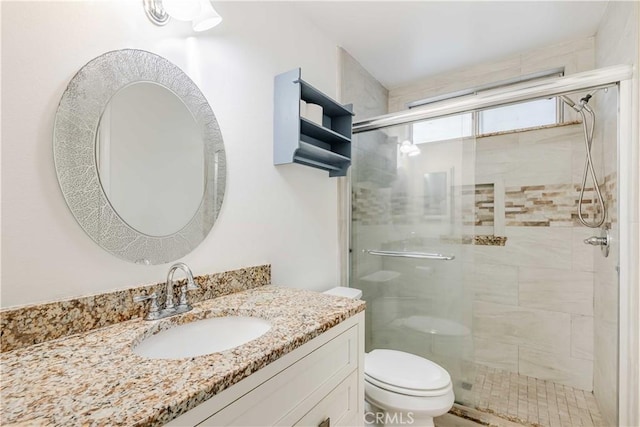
x: 530, y: 401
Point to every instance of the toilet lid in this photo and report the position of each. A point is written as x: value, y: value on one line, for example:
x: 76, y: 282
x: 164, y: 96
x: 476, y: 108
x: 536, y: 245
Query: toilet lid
x: 402, y: 370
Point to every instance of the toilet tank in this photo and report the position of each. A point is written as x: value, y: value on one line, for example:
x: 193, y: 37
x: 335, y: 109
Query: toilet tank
x: 343, y: 291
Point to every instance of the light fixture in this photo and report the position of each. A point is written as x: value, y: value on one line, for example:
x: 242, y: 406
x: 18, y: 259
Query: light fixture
x: 200, y: 12
x: 208, y: 17
x: 409, y: 148
x: 183, y: 10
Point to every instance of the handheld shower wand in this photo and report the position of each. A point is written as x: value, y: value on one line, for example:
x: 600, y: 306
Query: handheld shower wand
x: 588, y: 166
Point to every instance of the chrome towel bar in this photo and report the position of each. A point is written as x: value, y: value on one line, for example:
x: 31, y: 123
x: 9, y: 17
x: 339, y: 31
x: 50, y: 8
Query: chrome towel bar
x: 403, y: 254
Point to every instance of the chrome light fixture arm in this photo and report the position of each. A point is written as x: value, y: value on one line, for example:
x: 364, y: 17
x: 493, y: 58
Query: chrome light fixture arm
x: 155, y: 12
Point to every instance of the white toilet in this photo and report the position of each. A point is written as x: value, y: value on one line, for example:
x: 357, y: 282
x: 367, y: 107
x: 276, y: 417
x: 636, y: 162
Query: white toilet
x: 402, y: 388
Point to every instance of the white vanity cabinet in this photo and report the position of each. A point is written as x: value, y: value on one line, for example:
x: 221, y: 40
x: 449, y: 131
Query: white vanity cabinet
x: 320, y: 383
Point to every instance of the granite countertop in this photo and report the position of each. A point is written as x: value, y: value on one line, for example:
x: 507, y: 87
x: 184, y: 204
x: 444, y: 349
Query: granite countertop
x: 94, y: 378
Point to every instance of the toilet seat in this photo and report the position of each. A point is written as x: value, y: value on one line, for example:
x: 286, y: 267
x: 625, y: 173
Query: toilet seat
x: 407, y: 391
x: 407, y: 374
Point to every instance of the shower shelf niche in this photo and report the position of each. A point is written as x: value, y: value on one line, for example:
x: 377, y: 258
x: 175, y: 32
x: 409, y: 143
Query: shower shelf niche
x: 299, y: 140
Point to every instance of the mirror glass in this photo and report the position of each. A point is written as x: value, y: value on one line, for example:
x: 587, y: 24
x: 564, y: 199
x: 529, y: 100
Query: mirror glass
x: 139, y: 156
x: 150, y: 158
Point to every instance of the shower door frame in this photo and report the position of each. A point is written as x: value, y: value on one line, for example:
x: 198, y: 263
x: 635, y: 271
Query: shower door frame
x: 626, y: 81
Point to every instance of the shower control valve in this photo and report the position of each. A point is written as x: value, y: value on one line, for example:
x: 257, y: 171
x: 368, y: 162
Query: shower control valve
x: 596, y: 241
x: 604, y: 240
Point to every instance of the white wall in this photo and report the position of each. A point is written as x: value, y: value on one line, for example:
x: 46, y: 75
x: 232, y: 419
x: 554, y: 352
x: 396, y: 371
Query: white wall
x: 286, y: 216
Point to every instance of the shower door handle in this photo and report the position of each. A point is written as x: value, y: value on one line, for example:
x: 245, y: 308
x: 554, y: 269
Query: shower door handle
x: 416, y: 255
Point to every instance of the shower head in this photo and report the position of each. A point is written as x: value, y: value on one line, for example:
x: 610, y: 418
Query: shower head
x: 583, y: 102
x: 578, y: 108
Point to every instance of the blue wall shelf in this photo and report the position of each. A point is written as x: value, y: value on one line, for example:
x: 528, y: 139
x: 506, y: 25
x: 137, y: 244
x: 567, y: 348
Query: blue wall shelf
x: 298, y: 140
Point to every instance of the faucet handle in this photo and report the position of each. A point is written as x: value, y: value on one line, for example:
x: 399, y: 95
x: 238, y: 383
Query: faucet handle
x: 190, y: 286
x: 153, y: 309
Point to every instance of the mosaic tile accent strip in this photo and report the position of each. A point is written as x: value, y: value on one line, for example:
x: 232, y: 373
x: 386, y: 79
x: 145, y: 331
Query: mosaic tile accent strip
x: 533, y: 402
x: 484, y: 197
x: 550, y: 205
x: 94, y: 378
x: 489, y: 240
x: 480, y: 240
x: 37, y: 323
x: 371, y: 206
x: 540, y: 205
x: 609, y: 191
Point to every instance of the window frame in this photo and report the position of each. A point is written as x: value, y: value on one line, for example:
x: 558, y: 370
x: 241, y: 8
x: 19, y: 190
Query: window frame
x: 475, y: 115
x: 475, y: 124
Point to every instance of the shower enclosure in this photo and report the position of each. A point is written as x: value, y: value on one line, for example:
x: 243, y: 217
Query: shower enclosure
x: 468, y: 247
x: 411, y: 218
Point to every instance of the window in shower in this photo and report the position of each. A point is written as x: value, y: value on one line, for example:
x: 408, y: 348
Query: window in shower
x: 515, y: 117
x: 442, y: 129
x: 525, y: 115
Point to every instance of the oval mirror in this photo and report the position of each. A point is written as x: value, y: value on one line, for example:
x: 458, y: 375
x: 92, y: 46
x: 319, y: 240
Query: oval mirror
x: 139, y: 156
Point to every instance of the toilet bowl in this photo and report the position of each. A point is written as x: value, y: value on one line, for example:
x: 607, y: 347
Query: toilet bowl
x: 401, y: 388
x: 408, y: 389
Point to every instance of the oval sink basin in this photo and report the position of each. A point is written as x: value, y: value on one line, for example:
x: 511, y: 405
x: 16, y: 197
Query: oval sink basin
x: 202, y: 337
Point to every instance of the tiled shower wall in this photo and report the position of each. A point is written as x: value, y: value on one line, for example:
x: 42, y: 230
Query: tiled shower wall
x: 533, y: 298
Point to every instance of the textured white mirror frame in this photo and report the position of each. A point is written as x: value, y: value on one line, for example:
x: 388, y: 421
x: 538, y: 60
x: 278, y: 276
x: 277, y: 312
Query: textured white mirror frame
x: 74, y: 146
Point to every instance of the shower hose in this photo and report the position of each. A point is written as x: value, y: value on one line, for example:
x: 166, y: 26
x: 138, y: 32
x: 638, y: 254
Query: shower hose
x: 588, y: 168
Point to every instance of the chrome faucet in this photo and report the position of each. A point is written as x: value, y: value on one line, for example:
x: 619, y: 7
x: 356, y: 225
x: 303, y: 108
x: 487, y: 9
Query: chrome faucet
x: 183, y: 305
x: 170, y: 308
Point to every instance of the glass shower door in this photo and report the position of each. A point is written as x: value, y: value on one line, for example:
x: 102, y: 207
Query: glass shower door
x: 412, y: 224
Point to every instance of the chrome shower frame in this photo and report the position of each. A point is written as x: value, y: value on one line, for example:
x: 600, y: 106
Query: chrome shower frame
x: 528, y: 91
x: 625, y: 79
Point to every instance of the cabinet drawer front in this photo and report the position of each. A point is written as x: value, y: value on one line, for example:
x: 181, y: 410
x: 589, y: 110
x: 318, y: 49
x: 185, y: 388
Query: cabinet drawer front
x: 286, y: 397
x: 340, y: 406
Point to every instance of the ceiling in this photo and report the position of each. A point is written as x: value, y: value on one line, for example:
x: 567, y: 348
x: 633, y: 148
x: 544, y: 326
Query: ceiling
x: 401, y: 41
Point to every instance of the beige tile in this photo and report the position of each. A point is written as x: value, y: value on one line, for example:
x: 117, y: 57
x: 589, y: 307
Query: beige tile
x: 557, y: 55
x: 454, y: 80
x: 544, y: 247
x: 496, y: 354
x: 559, y: 369
x: 582, y: 337
x: 546, y: 330
x: 541, y: 140
x: 605, y: 367
x: 556, y: 290
x: 541, y: 157
x: 368, y: 96
x: 605, y: 297
x: 582, y: 255
x: 618, y: 31
x: 493, y: 283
